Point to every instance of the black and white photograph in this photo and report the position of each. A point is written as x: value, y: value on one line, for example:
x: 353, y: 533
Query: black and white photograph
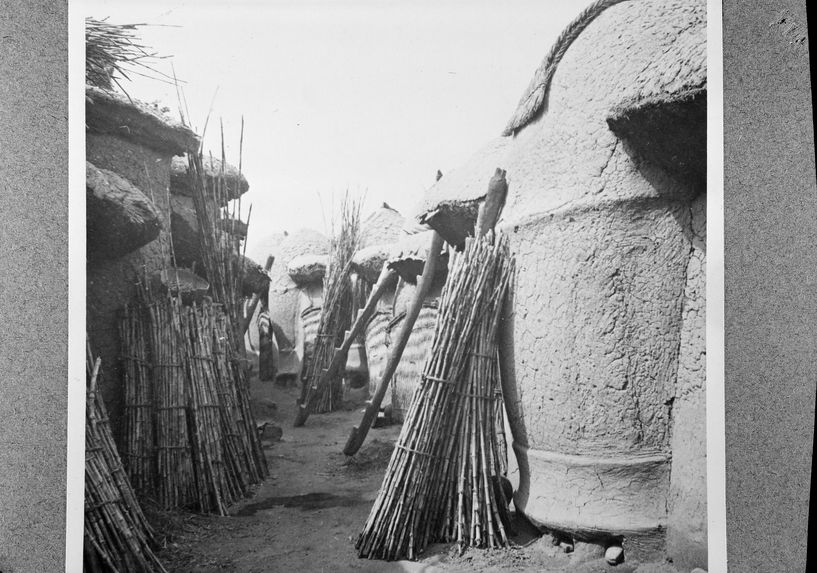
x: 396, y: 286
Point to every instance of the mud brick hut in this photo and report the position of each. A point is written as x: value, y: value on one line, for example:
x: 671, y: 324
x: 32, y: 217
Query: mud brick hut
x: 603, y: 342
x: 129, y: 150
x: 407, y: 257
x: 287, y: 300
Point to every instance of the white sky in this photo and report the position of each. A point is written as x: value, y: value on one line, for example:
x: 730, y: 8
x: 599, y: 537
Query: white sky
x: 370, y: 96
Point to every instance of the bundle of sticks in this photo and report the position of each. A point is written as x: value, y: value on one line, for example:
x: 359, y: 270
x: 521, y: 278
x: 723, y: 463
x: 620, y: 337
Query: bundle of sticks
x: 193, y: 437
x: 442, y: 480
x: 322, y: 393
x: 221, y: 251
x: 117, y: 535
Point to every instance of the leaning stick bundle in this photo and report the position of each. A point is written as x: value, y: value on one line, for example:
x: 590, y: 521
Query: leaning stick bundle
x: 234, y: 390
x: 117, y: 535
x: 175, y: 473
x: 480, y: 514
x: 139, y: 413
x: 319, y: 392
x: 414, y: 502
x: 215, y: 490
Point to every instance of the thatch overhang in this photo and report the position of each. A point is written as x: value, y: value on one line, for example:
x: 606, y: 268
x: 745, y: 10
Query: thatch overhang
x: 384, y: 225
x: 111, y: 113
x: 307, y: 269
x: 368, y: 261
x: 120, y: 218
x: 450, y: 206
x: 255, y: 280
x: 408, y: 257
x: 235, y: 184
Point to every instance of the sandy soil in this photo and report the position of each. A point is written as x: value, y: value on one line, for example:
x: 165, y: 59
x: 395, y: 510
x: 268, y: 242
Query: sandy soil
x: 306, y: 516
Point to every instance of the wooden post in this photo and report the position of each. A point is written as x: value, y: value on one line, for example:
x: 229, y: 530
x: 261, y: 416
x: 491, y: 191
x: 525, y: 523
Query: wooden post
x: 358, y: 434
x: 385, y: 280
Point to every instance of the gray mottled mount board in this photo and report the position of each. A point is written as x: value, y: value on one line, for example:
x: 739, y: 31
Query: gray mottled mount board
x: 33, y: 284
x: 771, y: 287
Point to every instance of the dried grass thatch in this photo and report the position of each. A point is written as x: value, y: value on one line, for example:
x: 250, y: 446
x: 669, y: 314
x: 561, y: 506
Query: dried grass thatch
x: 368, y: 261
x: 307, y: 269
x: 451, y: 205
x: 383, y: 226
x: 113, y: 50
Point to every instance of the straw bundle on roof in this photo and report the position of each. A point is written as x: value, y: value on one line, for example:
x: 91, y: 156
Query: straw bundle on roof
x: 114, y: 49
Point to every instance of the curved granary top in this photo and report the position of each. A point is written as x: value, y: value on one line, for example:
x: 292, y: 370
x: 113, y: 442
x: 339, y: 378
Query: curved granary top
x: 116, y: 114
x: 235, y: 184
x: 308, y: 268
x: 634, y: 72
x: 408, y: 256
x: 384, y: 225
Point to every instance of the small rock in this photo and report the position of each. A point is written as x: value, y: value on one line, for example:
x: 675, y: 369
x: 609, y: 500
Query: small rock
x: 698, y: 570
x: 271, y: 432
x: 566, y: 546
x: 614, y: 555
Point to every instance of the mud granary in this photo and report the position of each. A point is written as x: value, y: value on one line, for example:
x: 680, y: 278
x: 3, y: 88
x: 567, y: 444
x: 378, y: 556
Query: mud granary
x: 603, y: 343
x: 140, y: 218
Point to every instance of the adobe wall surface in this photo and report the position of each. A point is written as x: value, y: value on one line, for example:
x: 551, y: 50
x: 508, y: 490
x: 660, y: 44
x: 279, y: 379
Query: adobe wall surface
x: 687, y: 511
x: 113, y: 282
x: 603, y: 241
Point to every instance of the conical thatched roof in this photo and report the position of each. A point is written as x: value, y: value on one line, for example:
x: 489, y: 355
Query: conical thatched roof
x: 235, y: 183
x: 255, y: 280
x: 384, y: 225
x: 408, y: 257
x: 115, y: 114
x: 368, y: 262
x: 452, y: 203
x: 309, y: 268
x: 120, y: 218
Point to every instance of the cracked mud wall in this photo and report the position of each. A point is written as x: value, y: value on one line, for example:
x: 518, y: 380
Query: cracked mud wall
x: 597, y: 321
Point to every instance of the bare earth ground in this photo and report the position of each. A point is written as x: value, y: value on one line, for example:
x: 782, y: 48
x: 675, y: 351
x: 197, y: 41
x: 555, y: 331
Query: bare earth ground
x: 307, y: 514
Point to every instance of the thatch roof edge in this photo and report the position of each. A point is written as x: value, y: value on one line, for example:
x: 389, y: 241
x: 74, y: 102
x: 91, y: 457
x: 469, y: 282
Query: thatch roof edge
x: 115, y: 114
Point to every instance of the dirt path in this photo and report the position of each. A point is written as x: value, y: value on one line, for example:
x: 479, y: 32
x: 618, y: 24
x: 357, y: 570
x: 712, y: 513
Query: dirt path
x: 306, y: 516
